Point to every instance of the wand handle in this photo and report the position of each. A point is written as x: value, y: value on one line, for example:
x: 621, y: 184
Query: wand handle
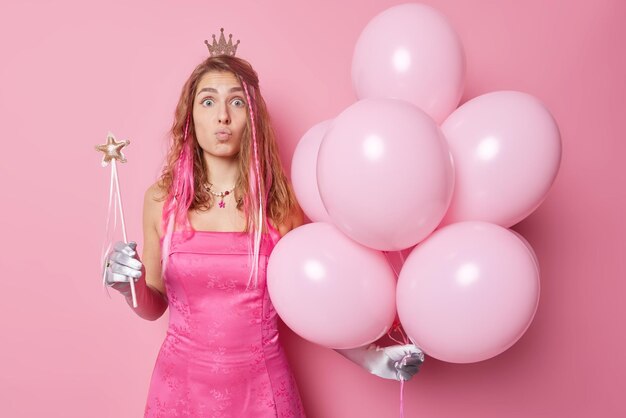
x: 119, y: 200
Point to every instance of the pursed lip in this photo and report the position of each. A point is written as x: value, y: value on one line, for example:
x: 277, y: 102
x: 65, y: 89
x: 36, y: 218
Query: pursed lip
x: 223, y: 135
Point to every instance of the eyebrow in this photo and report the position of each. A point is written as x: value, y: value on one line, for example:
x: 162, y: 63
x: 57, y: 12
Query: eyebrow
x: 212, y: 90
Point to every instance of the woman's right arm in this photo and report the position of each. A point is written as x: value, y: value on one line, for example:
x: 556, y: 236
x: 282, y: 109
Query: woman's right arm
x: 152, y: 209
x: 125, y: 263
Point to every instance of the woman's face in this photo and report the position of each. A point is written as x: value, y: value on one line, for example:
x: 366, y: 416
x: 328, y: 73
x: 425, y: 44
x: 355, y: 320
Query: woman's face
x: 219, y: 113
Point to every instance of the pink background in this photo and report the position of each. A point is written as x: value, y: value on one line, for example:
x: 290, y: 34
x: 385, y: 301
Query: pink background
x: 72, y: 70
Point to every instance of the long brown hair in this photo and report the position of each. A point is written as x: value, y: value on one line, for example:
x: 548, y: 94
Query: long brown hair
x: 281, y: 197
x: 278, y: 196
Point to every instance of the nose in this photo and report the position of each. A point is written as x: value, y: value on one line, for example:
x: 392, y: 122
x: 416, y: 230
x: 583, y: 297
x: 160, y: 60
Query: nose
x: 223, y: 116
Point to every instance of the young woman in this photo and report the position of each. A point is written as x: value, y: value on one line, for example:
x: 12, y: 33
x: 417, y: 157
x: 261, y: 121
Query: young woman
x: 210, y: 224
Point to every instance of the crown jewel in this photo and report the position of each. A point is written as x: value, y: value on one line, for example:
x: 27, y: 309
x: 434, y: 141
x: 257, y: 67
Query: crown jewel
x: 222, y: 47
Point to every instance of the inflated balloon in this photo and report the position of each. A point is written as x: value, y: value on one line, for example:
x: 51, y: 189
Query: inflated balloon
x: 304, y: 173
x: 329, y: 289
x: 531, y: 250
x: 468, y: 292
x: 507, y: 151
x: 411, y: 52
x: 385, y: 173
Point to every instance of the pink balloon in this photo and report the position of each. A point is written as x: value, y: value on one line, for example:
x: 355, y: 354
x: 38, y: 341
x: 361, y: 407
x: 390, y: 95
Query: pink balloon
x: 411, y: 52
x: 329, y: 289
x: 507, y: 151
x: 468, y: 292
x: 385, y: 174
x: 531, y: 250
x: 304, y: 173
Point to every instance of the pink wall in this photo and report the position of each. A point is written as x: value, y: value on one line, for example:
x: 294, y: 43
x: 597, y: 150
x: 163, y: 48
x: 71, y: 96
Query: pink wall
x: 72, y: 70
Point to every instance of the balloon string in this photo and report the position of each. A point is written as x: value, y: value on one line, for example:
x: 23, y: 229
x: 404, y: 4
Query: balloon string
x: 405, y: 339
x: 390, y: 335
x: 397, y: 327
x: 386, y: 253
x: 401, y: 398
x: 401, y: 257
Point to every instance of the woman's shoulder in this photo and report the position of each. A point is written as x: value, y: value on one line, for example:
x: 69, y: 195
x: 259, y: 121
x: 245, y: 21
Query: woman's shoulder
x: 155, y: 195
x: 154, y: 198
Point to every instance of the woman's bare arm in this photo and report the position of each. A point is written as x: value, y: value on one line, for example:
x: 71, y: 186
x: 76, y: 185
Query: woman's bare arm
x: 151, y: 257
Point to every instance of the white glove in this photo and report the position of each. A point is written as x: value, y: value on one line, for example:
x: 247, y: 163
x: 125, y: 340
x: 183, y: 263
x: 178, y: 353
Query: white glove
x: 122, y: 265
x: 396, y: 362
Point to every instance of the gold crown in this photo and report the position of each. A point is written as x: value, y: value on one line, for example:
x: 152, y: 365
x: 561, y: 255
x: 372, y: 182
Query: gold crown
x: 222, y: 47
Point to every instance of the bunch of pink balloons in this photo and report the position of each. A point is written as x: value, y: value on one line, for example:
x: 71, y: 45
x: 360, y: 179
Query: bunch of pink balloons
x: 403, y: 170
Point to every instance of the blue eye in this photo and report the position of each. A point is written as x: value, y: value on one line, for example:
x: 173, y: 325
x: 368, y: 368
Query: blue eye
x: 207, y: 100
x: 238, y: 102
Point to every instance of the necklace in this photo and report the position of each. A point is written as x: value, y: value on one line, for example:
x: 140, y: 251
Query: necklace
x: 220, y: 194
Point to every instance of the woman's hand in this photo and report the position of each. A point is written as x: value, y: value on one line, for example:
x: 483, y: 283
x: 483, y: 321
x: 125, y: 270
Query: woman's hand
x: 122, y: 265
x: 400, y: 362
x: 396, y: 362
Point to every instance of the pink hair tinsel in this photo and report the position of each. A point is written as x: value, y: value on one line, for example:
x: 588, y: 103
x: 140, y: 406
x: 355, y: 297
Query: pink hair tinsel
x: 257, y: 196
x: 179, y: 200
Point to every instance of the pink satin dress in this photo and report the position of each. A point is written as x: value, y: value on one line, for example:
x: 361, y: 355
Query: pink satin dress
x: 221, y: 356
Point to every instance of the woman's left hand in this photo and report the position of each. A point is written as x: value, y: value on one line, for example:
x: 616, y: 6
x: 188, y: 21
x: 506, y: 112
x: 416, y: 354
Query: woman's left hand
x: 396, y: 362
x: 406, y: 360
